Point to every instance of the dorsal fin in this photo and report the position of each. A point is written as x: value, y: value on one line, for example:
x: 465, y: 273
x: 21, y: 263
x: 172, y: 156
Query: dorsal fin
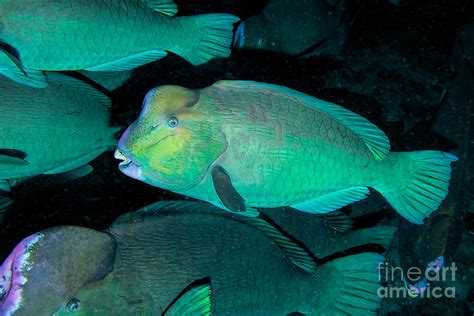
x: 297, y: 254
x: 373, y: 137
x: 300, y: 257
x: 61, y: 79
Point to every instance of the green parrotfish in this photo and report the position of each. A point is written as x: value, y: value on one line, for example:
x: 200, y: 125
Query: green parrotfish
x: 185, y: 258
x: 54, y: 130
x: 103, y: 35
x: 243, y: 145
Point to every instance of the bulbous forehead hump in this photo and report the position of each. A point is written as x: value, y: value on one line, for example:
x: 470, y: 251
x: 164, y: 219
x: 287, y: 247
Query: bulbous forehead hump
x: 168, y: 100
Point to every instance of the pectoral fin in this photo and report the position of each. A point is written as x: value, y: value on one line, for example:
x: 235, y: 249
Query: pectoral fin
x: 12, y: 67
x: 195, y: 301
x: 226, y: 191
x: 12, y: 158
x: 14, y: 58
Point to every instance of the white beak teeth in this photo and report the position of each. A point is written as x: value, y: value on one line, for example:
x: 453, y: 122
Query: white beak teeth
x: 120, y: 156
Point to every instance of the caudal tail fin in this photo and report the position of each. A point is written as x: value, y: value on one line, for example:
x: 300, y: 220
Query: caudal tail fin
x: 354, y: 283
x: 422, y: 186
x: 215, y: 34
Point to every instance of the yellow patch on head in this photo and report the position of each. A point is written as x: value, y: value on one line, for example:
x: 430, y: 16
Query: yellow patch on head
x: 174, y: 140
x: 167, y: 100
x: 171, y: 151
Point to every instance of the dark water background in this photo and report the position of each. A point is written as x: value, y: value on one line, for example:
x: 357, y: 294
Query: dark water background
x: 404, y: 51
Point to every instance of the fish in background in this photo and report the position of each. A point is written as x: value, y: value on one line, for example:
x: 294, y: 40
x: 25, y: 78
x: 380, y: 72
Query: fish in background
x: 441, y: 239
x: 242, y: 145
x: 108, y: 80
x: 184, y: 258
x: 59, y: 129
x: 103, y: 35
x: 297, y: 28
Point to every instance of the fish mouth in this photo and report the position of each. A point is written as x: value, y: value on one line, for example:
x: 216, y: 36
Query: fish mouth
x: 128, y: 166
x: 13, y: 274
x: 121, y: 156
x: 6, y: 271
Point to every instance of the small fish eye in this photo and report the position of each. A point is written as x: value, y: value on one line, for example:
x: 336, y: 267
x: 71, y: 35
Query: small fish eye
x: 73, y: 306
x: 173, y: 122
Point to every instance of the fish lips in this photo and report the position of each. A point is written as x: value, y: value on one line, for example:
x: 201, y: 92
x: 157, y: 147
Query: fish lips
x: 14, y: 274
x: 127, y: 165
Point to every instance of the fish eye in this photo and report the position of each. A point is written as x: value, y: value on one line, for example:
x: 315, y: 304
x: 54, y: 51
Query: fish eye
x: 73, y: 306
x: 173, y: 121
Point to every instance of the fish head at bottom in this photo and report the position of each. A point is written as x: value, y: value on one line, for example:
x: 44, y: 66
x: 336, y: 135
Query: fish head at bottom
x: 45, y: 271
x: 174, y: 140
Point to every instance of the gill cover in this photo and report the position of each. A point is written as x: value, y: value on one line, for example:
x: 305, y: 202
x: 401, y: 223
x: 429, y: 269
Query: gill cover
x: 50, y: 267
x: 174, y: 140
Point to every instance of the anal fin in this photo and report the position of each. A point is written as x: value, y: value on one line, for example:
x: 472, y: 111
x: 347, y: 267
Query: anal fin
x: 381, y: 235
x: 166, y: 7
x: 332, y: 201
x: 130, y: 62
x: 78, y: 162
x: 77, y: 173
x: 338, y: 221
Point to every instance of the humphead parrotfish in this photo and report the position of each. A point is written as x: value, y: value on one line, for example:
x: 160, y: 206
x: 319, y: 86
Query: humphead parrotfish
x: 296, y: 28
x: 184, y: 258
x: 103, y: 35
x: 242, y: 145
x: 54, y: 130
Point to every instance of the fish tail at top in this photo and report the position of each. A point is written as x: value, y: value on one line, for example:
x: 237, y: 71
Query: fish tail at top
x: 213, y: 39
x: 418, y: 182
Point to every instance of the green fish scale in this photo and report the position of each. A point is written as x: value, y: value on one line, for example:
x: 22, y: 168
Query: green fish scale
x: 66, y: 34
x: 283, y: 152
x: 186, y: 252
x: 56, y: 126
